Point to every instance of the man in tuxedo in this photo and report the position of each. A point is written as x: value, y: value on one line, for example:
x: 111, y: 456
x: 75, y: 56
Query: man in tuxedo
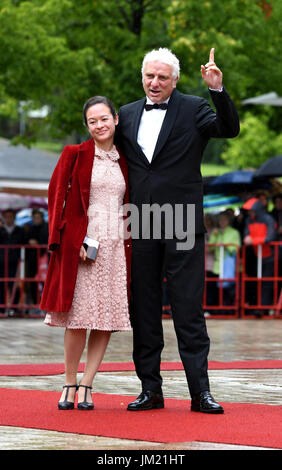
x: 163, y: 137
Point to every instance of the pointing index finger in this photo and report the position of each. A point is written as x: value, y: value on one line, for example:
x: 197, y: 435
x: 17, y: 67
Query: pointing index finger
x: 211, y: 59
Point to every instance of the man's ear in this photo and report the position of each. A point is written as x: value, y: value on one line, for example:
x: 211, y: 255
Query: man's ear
x: 175, y: 82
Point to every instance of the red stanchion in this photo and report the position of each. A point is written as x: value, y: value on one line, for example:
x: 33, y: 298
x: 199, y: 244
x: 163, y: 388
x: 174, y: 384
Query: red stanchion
x: 21, y: 284
x: 261, y: 281
x: 22, y: 274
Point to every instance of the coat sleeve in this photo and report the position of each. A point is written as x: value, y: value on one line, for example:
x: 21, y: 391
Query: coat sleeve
x: 271, y: 229
x: 224, y: 123
x: 57, y: 192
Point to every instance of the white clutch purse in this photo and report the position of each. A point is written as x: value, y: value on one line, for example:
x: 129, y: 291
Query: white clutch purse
x: 91, y: 247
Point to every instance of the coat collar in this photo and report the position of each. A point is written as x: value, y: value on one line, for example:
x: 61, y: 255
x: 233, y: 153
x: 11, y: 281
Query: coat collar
x: 87, y: 146
x: 86, y: 152
x: 85, y: 164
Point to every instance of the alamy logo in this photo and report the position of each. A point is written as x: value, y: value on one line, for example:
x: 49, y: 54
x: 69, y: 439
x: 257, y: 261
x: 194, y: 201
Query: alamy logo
x: 154, y: 221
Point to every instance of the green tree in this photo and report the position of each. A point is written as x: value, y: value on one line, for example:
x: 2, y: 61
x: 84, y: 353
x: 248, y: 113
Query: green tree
x: 35, y: 62
x: 247, y: 43
x: 60, y: 52
x: 246, y: 35
x: 255, y: 144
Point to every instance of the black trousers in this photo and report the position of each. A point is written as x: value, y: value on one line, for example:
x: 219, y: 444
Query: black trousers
x: 185, y: 283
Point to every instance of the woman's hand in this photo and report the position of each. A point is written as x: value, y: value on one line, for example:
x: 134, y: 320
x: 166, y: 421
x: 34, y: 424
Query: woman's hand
x: 82, y: 253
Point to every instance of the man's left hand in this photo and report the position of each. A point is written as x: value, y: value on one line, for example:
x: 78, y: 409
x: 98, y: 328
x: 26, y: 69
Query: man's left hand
x: 211, y: 74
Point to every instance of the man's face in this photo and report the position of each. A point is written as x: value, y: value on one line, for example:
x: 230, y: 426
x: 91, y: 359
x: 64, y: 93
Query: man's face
x: 37, y: 219
x: 158, y: 82
x: 9, y: 218
x: 278, y: 203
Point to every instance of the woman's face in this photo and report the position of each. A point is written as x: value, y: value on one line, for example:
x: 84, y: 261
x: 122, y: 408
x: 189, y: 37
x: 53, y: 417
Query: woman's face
x: 101, y: 123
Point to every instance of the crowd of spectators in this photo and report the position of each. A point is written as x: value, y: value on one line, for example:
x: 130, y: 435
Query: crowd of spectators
x: 31, y: 234
x: 254, y: 226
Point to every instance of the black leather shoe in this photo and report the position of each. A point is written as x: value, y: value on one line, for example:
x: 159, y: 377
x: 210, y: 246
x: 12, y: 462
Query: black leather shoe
x: 147, y: 401
x: 205, y: 403
x: 85, y: 405
x: 67, y: 405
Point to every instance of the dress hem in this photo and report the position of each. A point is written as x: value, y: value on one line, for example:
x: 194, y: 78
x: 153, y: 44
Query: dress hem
x: 71, y: 327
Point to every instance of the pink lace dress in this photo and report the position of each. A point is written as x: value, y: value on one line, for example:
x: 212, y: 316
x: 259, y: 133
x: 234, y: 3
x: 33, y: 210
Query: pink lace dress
x: 100, y: 297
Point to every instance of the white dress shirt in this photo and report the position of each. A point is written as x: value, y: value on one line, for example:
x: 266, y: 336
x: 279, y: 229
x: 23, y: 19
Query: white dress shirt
x: 149, y: 129
x: 150, y: 126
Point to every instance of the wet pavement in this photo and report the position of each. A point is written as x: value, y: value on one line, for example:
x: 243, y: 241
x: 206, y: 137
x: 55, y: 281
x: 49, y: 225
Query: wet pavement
x: 30, y: 341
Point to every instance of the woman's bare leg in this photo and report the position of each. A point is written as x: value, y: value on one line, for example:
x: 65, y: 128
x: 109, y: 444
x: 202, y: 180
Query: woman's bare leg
x: 97, y: 345
x: 74, y: 341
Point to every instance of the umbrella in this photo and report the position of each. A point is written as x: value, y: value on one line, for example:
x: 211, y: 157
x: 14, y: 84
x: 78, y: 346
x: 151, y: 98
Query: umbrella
x: 25, y: 216
x: 235, y: 182
x: 234, y: 177
x: 269, y: 98
x: 270, y: 168
x: 12, y: 201
x: 217, y: 200
x: 37, y: 202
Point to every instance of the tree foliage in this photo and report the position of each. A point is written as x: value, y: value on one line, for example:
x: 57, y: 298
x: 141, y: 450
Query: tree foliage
x: 246, y: 35
x: 61, y: 52
x: 257, y: 143
x: 246, y: 42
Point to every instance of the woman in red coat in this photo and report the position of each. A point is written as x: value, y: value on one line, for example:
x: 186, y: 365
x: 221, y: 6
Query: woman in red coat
x: 87, y: 285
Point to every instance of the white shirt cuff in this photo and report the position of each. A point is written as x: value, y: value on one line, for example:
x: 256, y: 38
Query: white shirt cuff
x: 219, y: 90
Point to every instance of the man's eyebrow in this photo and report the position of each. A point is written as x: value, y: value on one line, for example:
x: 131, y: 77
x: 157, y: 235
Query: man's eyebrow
x: 158, y: 75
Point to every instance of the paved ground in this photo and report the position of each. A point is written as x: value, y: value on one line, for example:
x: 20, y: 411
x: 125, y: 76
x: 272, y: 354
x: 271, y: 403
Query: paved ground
x: 30, y: 341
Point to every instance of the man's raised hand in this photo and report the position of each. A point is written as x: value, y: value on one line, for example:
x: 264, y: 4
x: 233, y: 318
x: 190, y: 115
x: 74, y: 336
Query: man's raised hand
x: 211, y: 74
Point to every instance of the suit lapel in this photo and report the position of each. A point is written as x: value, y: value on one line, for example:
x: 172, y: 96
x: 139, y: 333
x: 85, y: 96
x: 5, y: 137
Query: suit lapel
x: 137, y: 117
x: 168, y: 122
x: 85, y: 164
x: 136, y: 122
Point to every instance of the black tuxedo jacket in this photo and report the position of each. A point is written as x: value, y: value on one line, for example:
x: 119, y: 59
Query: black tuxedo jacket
x: 174, y: 175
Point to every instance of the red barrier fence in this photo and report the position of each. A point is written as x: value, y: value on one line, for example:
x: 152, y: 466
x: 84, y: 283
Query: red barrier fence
x: 254, y: 289
x: 23, y: 271
x: 248, y: 286
x: 222, y: 286
x: 261, y: 280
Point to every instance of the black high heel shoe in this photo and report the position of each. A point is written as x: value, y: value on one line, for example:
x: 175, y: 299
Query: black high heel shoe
x: 85, y: 405
x: 67, y: 405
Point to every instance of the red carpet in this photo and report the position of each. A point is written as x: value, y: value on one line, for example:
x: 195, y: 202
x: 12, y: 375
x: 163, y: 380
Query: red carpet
x: 241, y: 424
x: 54, y: 369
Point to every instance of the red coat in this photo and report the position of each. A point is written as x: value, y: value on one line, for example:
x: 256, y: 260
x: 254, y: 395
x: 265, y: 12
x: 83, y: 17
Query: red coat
x: 68, y: 221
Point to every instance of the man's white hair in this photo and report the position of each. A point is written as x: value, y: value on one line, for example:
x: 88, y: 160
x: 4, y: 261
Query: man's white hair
x: 162, y: 55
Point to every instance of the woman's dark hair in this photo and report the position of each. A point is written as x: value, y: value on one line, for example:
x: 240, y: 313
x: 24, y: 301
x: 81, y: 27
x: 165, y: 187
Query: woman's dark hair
x: 97, y: 100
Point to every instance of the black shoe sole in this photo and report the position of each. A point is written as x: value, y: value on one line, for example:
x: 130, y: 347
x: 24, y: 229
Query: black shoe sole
x: 157, y: 406
x: 85, y: 407
x: 211, y: 411
x: 66, y: 407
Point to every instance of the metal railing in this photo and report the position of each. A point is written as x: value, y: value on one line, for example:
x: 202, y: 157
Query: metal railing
x: 256, y: 278
x: 23, y: 270
x: 261, y: 281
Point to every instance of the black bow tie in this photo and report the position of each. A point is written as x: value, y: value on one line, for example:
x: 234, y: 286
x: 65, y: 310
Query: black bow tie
x: 148, y: 107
